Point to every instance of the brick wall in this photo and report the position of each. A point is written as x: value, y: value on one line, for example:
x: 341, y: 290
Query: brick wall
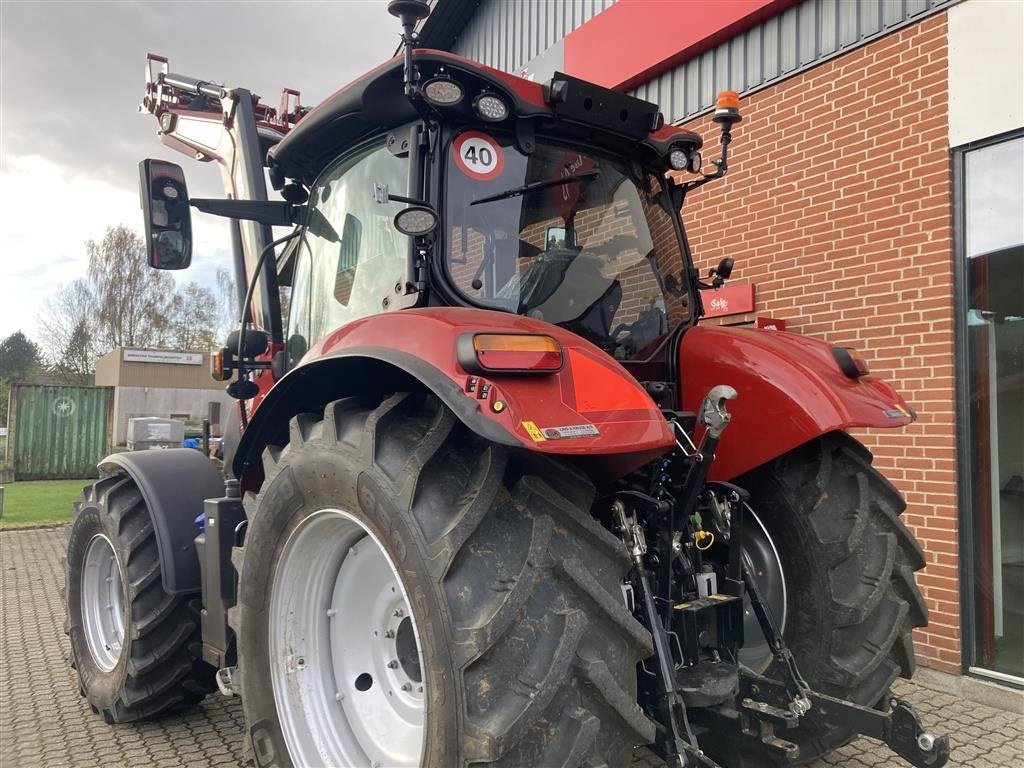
x: 838, y: 206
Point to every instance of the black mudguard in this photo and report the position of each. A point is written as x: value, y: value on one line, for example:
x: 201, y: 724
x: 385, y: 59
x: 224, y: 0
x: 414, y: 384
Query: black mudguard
x: 357, y: 371
x: 174, y: 483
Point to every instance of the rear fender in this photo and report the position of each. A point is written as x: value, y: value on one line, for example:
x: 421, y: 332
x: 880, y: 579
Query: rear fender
x: 617, y: 426
x: 791, y: 390
x: 174, y: 483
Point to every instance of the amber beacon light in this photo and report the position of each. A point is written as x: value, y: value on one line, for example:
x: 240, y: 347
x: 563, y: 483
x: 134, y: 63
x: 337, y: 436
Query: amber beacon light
x: 727, y: 108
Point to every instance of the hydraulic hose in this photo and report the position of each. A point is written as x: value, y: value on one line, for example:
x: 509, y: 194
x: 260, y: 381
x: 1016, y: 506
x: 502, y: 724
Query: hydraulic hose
x: 267, y: 249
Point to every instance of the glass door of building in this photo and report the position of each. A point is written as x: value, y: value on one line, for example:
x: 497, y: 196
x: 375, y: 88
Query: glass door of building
x: 993, y: 247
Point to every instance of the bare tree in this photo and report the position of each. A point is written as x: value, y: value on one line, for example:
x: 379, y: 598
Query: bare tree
x: 227, y: 304
x: 78, y: 357
x: 131, y: 299
x: 66, y: 314
x: 123, y: 302
x: 192, y: 318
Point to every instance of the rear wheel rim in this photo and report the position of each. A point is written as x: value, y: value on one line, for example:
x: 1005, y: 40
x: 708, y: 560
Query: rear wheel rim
x: 103, y: 603
x: 345, y: 663
x: 763, y: 557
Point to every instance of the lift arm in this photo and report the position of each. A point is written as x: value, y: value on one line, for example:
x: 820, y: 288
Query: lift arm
x: 232, y: 127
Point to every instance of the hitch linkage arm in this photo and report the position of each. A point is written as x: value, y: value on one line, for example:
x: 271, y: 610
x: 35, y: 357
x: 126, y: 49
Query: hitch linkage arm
x: 900, y: 727
x: 761, y: 698
x: 679, y: 742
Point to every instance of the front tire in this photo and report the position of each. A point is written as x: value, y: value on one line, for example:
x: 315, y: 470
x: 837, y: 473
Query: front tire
x: 527, y: 655
x: 137, y: 649
x: 848, y: 565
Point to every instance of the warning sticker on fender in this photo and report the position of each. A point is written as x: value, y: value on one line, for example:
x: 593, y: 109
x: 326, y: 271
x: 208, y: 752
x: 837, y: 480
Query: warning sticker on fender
x: 478, y: 155
x: 533, y: 432
x: 569, y: 432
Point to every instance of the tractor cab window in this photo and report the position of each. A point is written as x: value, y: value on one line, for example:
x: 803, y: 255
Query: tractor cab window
x: 351, y: 256
x: 565, y: 237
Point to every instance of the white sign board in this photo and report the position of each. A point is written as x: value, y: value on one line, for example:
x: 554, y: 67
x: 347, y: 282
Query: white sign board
x: 162, y: 356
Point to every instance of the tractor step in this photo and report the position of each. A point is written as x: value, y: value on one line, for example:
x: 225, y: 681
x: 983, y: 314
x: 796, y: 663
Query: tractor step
x: 226, y: 681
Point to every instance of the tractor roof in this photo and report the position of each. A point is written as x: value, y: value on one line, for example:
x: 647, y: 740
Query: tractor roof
x: 572, y: 109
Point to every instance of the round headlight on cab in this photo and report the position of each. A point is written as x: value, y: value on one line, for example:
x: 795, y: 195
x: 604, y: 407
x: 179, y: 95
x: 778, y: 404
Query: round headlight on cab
x: 491, y: 108
x: 442, y: 92
x: 678, y: 159
x: 415, y: 221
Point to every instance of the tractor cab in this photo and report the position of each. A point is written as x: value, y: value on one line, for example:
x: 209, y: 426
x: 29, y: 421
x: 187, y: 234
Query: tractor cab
x: 549, y: 201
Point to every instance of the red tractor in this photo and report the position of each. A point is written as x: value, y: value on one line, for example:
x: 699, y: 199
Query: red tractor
x: 478, y: 504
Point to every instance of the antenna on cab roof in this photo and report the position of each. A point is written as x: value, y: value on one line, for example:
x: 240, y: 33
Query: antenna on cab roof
x: 409, y: 12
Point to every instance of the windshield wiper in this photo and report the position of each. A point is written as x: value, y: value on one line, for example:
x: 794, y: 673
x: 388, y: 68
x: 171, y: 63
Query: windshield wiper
x: 516, y: 191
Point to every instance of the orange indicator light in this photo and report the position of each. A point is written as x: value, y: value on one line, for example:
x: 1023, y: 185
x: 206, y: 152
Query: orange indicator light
x: 851, y: 362
x: 217, y: 365
x: 517, y: 352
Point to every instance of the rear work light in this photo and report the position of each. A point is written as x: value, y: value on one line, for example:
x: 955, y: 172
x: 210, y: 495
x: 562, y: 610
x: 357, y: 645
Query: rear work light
x: 509, y: 353
x: 850, y: 362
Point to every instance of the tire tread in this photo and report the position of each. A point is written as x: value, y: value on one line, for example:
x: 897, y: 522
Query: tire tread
x: 164, y: 671
x: 551, y: 589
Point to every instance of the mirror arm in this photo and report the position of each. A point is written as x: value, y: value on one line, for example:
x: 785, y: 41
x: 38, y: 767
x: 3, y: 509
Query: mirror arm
x: 272, y: 212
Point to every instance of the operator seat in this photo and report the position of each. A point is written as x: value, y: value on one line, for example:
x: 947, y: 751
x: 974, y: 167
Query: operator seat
x: 584, y: 302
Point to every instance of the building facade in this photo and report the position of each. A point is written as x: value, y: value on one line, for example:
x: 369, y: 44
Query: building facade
x: 159, y: 382
x: 875, y: 199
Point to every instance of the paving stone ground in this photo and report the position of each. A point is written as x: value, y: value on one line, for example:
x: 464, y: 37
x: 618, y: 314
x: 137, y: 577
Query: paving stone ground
x: 44, y: 722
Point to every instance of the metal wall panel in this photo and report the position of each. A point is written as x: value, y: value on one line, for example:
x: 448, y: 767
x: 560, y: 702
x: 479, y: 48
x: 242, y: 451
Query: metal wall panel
x: 801, y: 37
x: 58, y: 432
x: 506, y: 34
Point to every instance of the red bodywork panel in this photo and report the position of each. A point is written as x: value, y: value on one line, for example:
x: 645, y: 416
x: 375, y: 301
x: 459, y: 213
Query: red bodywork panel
x: 263, y: 378
x: 653, y: 36
x: 610, y: 412
x: 791, y: 390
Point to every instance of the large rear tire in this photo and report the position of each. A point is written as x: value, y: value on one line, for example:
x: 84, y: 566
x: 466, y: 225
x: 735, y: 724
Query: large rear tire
x: 848, y: 565
x: 137, y: 649
x: 526, y: 654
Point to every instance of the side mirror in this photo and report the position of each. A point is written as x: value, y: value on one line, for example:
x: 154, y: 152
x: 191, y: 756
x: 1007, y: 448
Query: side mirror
x: 718, y: 275
x: 165, y: 211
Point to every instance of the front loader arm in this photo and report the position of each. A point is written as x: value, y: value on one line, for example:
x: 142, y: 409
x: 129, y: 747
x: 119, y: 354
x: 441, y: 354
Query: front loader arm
x: 229, y: 126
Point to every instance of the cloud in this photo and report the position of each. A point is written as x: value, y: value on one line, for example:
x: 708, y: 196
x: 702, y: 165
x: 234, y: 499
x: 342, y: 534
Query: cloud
x: 47, y: 217
x: 49, y: 214
x: 73, y: 72
x: 71, y: 77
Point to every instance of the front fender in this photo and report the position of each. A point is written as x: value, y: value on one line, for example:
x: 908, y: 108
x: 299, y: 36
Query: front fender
x: 612, y: 416
x: 174, y: 483
x: 791, y: 390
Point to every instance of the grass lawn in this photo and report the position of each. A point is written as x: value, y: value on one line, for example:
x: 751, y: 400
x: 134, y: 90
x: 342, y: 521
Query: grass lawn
x: 37, y: 502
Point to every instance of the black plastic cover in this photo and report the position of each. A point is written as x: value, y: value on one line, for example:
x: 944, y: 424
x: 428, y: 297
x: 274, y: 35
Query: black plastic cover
x: 174, y: 483
x: 616, y: 112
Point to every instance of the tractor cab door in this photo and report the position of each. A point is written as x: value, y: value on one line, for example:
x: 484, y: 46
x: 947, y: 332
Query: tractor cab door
x: 350, y: 261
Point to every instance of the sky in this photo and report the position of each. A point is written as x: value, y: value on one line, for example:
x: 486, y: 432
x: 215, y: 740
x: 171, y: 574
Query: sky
x: 71, y: 138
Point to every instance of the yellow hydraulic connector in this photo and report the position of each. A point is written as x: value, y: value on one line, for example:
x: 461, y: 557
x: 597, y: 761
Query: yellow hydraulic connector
x: 700, y: 537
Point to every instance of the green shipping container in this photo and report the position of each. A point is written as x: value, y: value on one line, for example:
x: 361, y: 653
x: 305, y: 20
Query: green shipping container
x: 58, y: 432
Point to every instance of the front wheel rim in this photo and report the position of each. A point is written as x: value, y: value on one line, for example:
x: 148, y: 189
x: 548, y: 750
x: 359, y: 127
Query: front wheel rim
x: 103, y: 603
x: 345, y: 664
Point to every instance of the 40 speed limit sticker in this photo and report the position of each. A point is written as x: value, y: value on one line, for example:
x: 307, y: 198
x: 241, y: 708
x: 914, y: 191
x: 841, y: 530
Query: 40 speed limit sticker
x: 478, y: 155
